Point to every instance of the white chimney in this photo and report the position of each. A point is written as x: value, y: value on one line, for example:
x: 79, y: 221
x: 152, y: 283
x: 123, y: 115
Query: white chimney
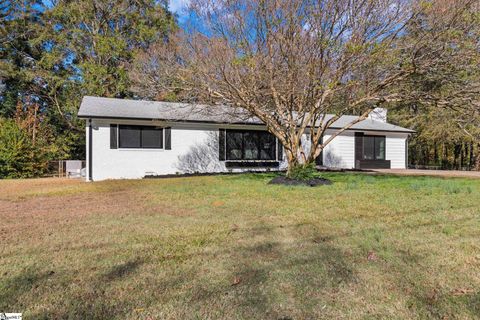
x: 378, y: 114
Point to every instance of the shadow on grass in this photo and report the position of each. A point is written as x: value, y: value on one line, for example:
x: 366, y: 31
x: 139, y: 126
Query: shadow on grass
x: 411, y: 277
x: 93, y: 301
x: 436, y: 303
x: 473, y: 303
x: 272, y: 278
x: 327, y: 267
x: 257, y: 176
x: 12, y: 290
x: 254, y: 286
x: 122, y: 270
x: 266, y: 276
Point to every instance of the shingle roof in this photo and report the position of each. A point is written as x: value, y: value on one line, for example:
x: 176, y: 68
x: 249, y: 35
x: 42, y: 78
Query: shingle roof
x: 110, y: 108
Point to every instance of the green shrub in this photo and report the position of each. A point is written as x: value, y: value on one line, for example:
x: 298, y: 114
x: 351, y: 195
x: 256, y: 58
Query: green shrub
x: 303, y: 172
x: 17, y: 153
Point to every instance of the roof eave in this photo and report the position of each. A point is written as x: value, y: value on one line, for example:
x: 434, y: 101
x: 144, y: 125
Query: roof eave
x: 225, y: 123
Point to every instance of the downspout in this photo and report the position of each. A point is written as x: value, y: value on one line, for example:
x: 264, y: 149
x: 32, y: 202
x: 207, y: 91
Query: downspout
x: 90, y: 150
x: 406, y: 152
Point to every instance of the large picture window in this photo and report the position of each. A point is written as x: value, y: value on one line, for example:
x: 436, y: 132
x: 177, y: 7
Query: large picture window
x: 250, y: 145
x: 142, y: 137
x: 374, y: 148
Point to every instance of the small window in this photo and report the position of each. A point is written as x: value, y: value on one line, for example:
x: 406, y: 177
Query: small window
x: 140, y: 137
x: 374, y: 148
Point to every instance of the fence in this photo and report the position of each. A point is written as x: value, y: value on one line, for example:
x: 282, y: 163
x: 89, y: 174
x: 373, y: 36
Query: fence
x: 424, y: 167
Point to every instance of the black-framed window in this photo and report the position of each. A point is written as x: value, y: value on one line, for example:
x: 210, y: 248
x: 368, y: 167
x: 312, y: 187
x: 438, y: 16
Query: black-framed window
x: 374, y: 147
x: 141, y: 137
x: 250, y: 145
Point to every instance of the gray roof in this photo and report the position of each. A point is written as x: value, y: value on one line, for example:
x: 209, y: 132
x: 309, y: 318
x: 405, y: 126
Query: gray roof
x: 110, y: 108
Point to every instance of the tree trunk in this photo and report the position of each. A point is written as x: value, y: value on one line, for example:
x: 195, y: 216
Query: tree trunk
x: 471, y: 157
x: 426, y: 155
x: 296, y: 158
x: 456, y: 155
x: 292, y: 162
x: 445, y: 157
x: 477, y: 161
x: 462, y: 153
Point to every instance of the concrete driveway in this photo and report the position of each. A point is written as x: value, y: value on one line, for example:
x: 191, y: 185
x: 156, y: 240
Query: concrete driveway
x: 437, y: 173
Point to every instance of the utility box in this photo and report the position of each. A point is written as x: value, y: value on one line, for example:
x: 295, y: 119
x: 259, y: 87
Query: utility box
x: 73, y: 168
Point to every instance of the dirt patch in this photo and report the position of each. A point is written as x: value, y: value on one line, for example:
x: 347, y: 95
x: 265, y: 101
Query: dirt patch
x: 294, y: 182
x: 82, y: 204
x: 33, y: 214
x: 21, y: 188
x: 33, y: 219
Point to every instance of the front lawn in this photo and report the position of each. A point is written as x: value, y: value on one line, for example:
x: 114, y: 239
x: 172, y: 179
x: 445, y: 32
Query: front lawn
x: 233, y: 247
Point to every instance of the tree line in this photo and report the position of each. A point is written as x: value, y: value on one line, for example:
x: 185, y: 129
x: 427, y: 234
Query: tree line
x: 290, y: 63
x: 52, y: 53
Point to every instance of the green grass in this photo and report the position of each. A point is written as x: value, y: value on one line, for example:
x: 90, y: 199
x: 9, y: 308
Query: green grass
x: 233, y: 247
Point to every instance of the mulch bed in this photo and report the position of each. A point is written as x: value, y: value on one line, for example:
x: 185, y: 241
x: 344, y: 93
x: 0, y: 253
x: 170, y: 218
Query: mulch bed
x: 293, y: 182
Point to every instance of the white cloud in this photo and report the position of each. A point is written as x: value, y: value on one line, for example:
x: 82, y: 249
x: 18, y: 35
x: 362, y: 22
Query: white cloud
x: 178, y: 5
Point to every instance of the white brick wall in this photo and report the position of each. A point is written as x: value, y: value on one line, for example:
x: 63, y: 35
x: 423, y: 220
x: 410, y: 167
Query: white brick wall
x: 189, y: 142
x: 194, y: 142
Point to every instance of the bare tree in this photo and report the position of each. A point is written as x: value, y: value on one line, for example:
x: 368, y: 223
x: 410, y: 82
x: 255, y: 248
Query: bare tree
x: 291, y: 63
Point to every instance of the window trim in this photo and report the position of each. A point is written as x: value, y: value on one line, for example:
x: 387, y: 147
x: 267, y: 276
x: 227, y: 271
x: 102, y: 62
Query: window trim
x: 140, y: 147
x: 275, y: 152
x: 374, y: 148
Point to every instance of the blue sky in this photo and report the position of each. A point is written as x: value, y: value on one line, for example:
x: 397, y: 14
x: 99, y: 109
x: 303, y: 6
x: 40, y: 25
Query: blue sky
x: 177, y: 7
x: 186, y: 19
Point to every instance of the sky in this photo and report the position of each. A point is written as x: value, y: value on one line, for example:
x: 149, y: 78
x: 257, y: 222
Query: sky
x: 176, y: 6
x: 185, y: 19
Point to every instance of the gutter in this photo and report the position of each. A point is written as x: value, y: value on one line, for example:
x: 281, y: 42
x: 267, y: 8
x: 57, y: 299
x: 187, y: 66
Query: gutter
x: 229, y: 123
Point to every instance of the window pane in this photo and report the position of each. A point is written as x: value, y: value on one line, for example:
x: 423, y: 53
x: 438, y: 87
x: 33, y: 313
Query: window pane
x: 368, y: 148
x: 250, y: 144
x: 129, y: 136
x: 152, y: 137
x: 234, y: 145
x: 380, y: 148
x: 267, y: 146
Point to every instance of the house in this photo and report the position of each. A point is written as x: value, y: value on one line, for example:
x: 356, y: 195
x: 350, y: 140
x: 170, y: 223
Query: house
x: 129, y: 139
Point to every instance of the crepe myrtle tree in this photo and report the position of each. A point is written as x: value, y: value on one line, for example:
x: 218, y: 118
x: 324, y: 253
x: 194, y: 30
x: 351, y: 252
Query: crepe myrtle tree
x: 294, y: 63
